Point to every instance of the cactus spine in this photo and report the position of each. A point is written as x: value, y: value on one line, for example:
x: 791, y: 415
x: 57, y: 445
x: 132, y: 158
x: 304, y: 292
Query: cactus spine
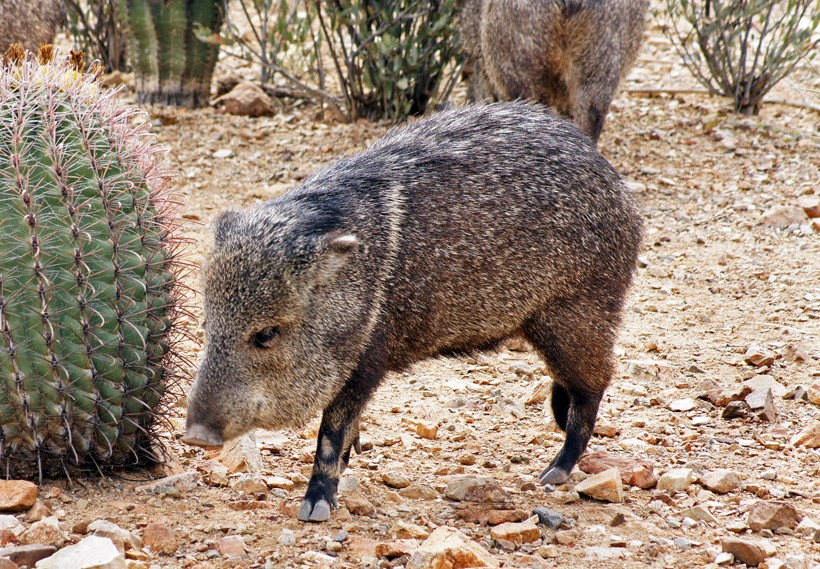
x: 89, y: 273
x: 173, y: 67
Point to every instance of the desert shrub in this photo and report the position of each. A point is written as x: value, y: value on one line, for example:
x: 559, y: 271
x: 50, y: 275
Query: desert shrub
x: 742, y: 48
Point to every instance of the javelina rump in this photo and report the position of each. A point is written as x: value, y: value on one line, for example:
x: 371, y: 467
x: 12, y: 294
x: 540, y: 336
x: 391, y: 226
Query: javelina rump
x: 30, y: 22
x: 448, y: 235
x: 568, y: 54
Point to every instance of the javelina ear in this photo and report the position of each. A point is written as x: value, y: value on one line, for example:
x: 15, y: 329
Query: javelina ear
x: 337, y: 250
x: 225, y: 225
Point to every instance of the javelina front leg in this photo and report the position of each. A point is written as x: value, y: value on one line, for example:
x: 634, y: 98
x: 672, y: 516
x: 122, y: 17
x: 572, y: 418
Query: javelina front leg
x: 338, y: 435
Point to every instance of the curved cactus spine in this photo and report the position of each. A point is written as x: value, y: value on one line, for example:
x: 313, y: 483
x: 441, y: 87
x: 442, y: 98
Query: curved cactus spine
x: 90, y: 271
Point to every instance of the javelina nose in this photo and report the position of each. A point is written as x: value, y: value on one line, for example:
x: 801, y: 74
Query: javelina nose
x: 202, y: 436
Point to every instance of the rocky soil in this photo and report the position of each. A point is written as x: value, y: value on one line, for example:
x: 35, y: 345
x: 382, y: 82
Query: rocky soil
x: 713, y: 422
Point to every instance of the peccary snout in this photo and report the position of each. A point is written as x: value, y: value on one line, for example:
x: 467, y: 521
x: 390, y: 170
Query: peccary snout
x: 447, y: 236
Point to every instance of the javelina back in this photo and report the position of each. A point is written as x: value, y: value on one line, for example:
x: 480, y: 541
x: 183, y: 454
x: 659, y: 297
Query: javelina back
x: 448, y: 235
x: 568, y: 54
x: 30, y: 22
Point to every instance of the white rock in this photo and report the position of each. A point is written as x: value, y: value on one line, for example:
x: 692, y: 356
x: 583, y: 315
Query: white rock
x: 683, y: 404
x: 676, y: 480
x: 724, y: 558
x: 93, y: 552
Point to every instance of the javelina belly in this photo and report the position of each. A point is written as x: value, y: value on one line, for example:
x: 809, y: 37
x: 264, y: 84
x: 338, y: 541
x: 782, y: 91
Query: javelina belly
x: 568, y: 54
x: 448, y: 235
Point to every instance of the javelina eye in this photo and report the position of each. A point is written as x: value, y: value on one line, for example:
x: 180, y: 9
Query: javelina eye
x: 262, y: 340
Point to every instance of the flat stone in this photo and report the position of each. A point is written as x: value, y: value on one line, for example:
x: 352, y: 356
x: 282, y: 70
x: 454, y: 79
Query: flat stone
x: 241, y: 455
x: 395, y: 479
x: 38, y: 511
x: 761, y: 402
x: 549, y: 518
x: 810, y: 205
x: 122, y: 538
x: 676, y: 480
x: 806, y: 527
x: 743, y: 550
x: 762, y: 381
x: 566, y: 537
x: 358, y: 504
x: 279, y: 482
x: 781, y: 217
x: 8, y: 564
x: 246, y: 99
x: 214, y: 473
x: 773, y: 516
x: 489, y: 514
x: 407, y: 530
x: 634, y: 472
x: 46, y: 531
x: 697, y: 513
x: 93, y: 552
x: 27, y: 555
x: 808, y: 437
x: 724, y: 558
x: 17, y: 495
x: 176, y: 485
x: 420, y: 492
x: 606, y: 486
x: 424, y: 429
x: 231, y: 546
x: 396, y: 548
x: 250, y: 483
x: 160, y: 538
x: 721, y: 481
x: 448, y: 548
x: 683, y: 404
x: 518, y: 533
x: 735, y: 410
x: 482, y: 489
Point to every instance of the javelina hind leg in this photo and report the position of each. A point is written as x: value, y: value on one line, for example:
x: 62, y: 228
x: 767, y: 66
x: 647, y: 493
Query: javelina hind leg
x: 338, y: 435
x: 576, y: 343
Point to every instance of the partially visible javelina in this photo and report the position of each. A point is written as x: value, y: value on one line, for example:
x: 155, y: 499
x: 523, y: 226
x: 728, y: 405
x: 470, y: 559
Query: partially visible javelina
x: 30, y: 22
x: 568, y: 54
x: 448, y: 235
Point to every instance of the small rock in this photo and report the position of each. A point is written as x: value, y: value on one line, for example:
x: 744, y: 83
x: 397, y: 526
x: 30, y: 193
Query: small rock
x: 250, y: 483
x: 781, y: 217
x: 357, y: 503
x: 481, y: 489
x: 566, y: 537
x: 634, y: 472
x: 773, y: 516
x: 736, y: 526
x: 223, y: 153
x: 231, y: 546
x: 683, y: 405
x: 47, y: 531
x: 406, y: 530
x: 550, y: 518
x: 538, y: 393
x: 548, y: 552
x: 241, y: 455
x: 809, y: 437
x: 176, y: 485
x: 735, y: 410
x: 810, y: 205
x: 813, y: 393
x: 420, y: 492
x: 395, y: 479
x: 761, y: 381
x: 160, y: 538
x: 758, y: 356
x: 279, y: 482
x: 10, y: 530
x: 697, y: 513
x: 27, y: 555
x: 517, y: 533
x: 17, y: 495
x: 743, y: 550
x: 449, y: 548
x: 489, y: 514
x: 214, y: 473
x: 8, y: 564
x: 761, y: 402
x: 806, y: 527
x: 676, y: 480
x: 423, y: 429
x: 724, y: 558
x: 246, y: 99
x: 38, y: 511
x: 721, y: 481
x: 605, y: 486
x: 93, y: 552
x: 396, y: 548
x: 122, y: 538
x: 287, y: 537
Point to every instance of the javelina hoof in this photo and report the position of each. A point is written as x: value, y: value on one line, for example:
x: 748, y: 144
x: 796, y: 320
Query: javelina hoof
x: 202, y: 436
x: 553, y: 475
x: 315, y: 507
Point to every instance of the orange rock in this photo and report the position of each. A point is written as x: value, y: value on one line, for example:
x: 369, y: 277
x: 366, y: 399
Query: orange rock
x: 160, y: 538
x: 17, y: 495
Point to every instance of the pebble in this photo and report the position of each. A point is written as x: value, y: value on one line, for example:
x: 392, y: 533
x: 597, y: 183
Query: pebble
x: 809, y: 437
x: 241, y: 455
x: 17, y: 495
x: 38, y: 511
x: 448, y: 547
x: 517, y: 533
x: 27, y: 555
x: 606, y: 486
x: 396, y: 548
x: 160, y: 538
x: 279, y: 482
x: 357, y: 503
x: 481, y: 489
x: 246, y: 99
x: 549, y: 518
x: 407, y: 530
x: 769, y: 475
x: 419, y: 492
x: 395, y: 479
x: 634, y: 472
x: 223, y: 153
x: 47, y: 531
x: 676, y: 480
x: 122, y: 538
x: 250, y: 483
x: 781, y: 217
x: 92, y: 552
x: 231, y: 546
x: 743, y: 550
x: 424, y: 429
x: 287, y: 537
x: 761, y: 402
x: 696, y: 513
x: 773, y: 516
x: 724, y: 558
x: 721, y: 481
x: 683, y: 405
x: 565, y: 537
x: 176, y: 485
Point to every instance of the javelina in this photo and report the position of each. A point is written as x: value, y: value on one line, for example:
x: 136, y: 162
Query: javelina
x: 30, y: 22
x: 448, y: 235
x: 568, y: 54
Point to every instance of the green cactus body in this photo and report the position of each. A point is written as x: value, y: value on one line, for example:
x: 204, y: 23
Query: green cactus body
x: 89, y: 289
x: 173, y: 67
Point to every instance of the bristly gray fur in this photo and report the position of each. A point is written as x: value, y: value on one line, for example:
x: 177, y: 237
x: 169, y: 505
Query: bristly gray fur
x: 568, y: 54
x: 30, y: 22
x: 448, y: 235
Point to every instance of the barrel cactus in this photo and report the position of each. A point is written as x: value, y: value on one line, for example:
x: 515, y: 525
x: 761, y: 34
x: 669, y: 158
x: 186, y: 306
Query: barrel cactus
x: 90, y: 269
